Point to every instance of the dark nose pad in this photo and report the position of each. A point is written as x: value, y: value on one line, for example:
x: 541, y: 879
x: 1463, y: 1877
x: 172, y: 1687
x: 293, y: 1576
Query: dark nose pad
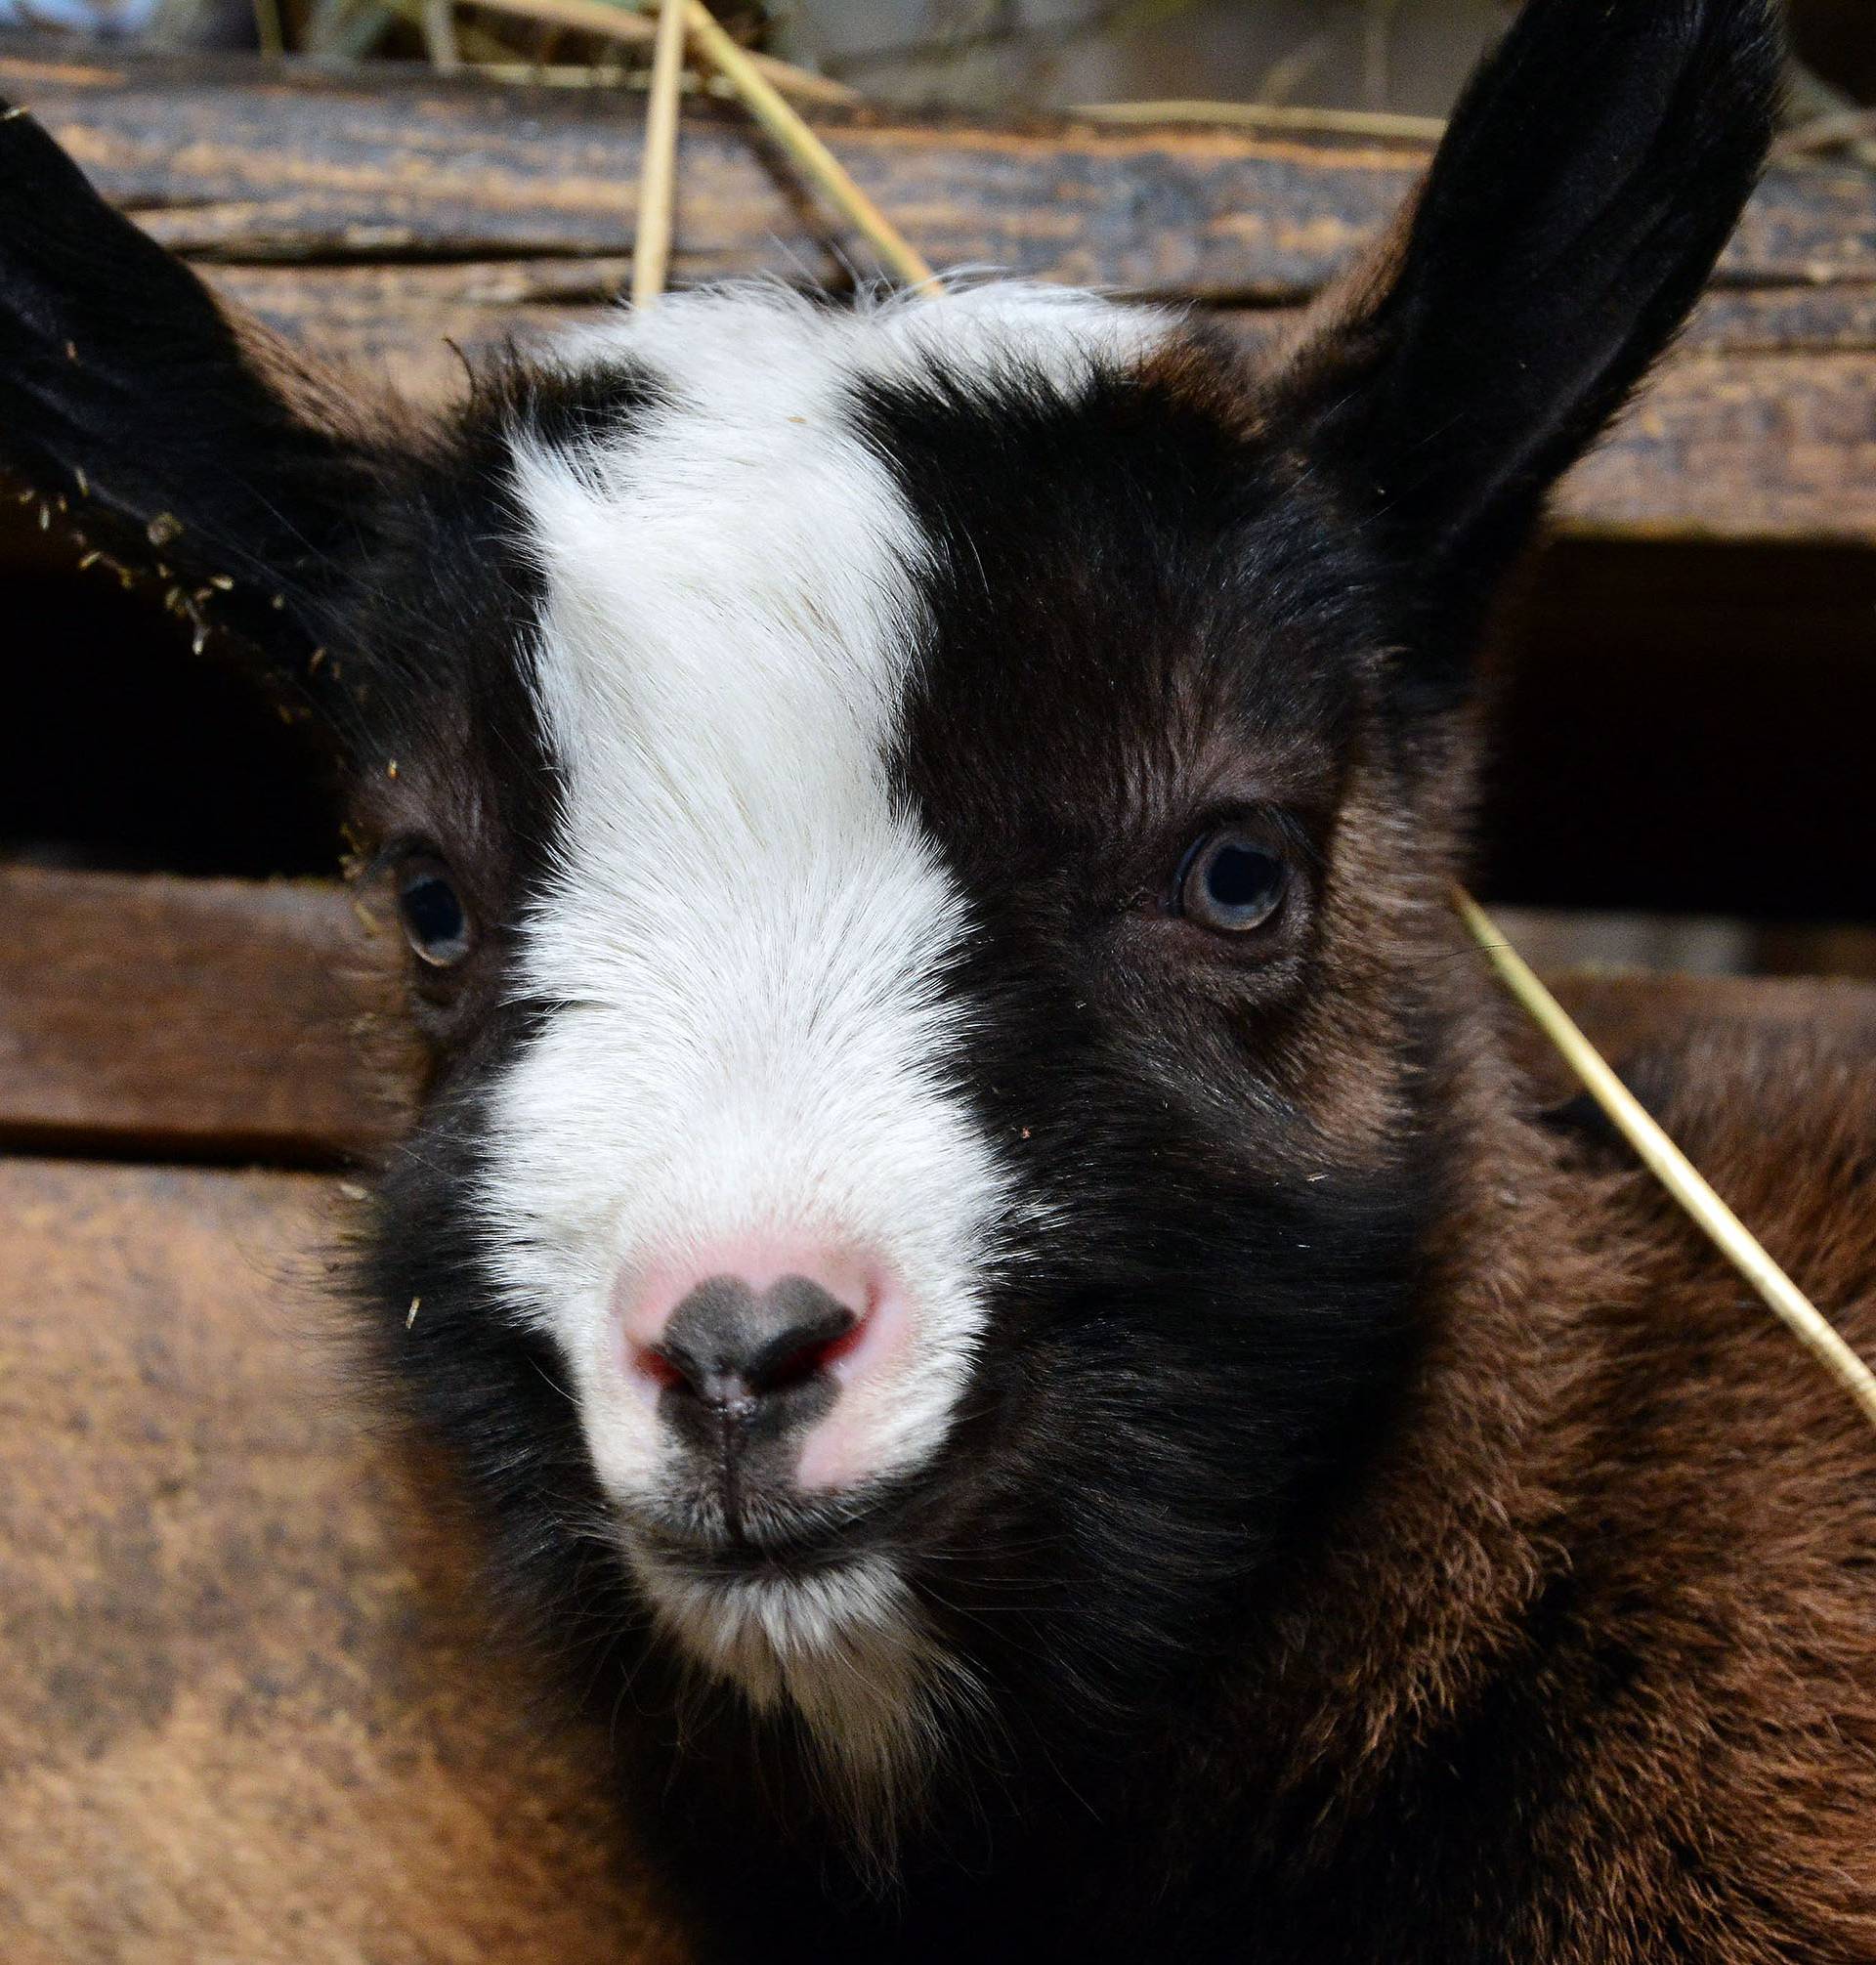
x: 757, y: 1358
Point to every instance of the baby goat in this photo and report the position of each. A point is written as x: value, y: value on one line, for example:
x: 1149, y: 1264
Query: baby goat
x: 979, y: 1246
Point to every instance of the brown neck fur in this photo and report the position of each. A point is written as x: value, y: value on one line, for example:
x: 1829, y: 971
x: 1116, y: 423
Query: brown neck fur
x: 1615, y: 1534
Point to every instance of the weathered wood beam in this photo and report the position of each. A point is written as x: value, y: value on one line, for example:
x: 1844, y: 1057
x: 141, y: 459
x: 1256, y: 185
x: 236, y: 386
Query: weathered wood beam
x: 196, y: 1019
x: 1736, y: 447
x: 228, y: 1020
x: 1763, y: 427
x: 403, y: 310
x: 381, y: 215
x: 231, y: 159
x: 253, y: 1706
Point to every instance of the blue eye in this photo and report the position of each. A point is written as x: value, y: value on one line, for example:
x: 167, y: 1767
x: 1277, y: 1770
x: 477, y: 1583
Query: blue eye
x: 436, y: 923
x: 1232, y: 880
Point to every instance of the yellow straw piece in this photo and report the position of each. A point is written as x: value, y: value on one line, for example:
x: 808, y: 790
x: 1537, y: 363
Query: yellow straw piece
x: 1267, y: 117
x: 657, y: 176
x: 817, y: 162
x: 1669, y: 1165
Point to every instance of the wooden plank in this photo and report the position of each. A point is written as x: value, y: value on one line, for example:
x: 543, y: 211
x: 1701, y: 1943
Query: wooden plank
x: 402, y: 318
x: 229, y: 1020
x: 192, y: 1018
x: 233, y: 160
x: 1738, y: 447
x: 380, y: 217
x: 1834, y: 319
x: 253, y: 1708
x: 376, y: 313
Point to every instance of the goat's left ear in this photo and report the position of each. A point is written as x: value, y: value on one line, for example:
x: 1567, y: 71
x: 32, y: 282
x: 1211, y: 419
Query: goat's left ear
x: 1590, y: 177
x: 180, y: 436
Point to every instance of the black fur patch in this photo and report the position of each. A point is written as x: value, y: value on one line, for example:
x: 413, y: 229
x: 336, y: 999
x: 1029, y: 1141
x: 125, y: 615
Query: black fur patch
x: 126, y: 393
x: 1136, y: 619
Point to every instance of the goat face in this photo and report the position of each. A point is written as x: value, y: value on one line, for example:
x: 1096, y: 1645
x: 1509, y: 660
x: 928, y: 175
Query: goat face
x: 923, y: 830
x: 898, y: 1112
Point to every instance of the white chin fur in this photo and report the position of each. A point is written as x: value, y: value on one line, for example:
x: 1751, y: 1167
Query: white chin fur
x: 846, y: 1649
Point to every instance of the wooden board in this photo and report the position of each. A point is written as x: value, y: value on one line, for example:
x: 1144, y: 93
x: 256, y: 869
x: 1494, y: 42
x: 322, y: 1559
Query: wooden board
x: 400, y: 316
x: 231, y: 1020
x: 379, y: 214
x: 253, y: 1714
x: 181, y: 1018
x: 243, y: 162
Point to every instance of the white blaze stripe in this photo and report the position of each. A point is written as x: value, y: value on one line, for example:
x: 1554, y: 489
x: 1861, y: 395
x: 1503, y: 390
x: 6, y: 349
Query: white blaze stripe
x: 748, y: 937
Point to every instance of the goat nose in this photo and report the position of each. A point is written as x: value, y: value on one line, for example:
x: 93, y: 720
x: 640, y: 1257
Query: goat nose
x: 734, y: 1348
x: 753, y: 1342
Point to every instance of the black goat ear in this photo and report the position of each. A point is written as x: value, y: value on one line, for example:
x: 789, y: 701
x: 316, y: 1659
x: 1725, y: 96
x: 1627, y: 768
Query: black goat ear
x: 1590, y: 177
x: 178, y: 436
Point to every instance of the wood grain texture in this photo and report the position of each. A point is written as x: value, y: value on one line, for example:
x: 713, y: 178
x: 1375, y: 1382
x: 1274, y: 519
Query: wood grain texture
x: 379, y: 216
x: 195, y: 1018
x: 221, y: 159
x: 1745, y: 448
x: 252, y: 1709
x: 227, y: 157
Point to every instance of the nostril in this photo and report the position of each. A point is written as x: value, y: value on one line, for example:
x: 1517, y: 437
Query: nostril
x: 729, y: 1346
x: 800, y: 1355
x: 653, y: 1364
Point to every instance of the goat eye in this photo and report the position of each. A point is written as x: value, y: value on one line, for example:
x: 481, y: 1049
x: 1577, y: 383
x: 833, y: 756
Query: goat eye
x: 1232, y: 881
x: 436, y: 923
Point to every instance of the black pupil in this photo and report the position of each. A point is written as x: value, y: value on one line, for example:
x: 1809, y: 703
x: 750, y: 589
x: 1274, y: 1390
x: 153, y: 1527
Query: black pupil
x: 433, y: 912
x: 1240, y: 880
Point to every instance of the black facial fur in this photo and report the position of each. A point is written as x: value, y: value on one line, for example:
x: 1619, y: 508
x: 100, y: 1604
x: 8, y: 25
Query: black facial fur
x: 1134, y: 614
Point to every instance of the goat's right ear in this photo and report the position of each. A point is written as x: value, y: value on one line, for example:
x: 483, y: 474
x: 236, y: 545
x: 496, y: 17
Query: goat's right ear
x: 1590, y: 176
x: 182, y: 437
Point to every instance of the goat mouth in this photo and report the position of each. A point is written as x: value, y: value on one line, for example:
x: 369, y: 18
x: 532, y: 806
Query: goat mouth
x: 711, y: 1545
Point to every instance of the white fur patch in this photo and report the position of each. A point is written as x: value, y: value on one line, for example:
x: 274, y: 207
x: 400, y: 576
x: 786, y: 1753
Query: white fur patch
x: 746, y: 935
x: 847, y: 1650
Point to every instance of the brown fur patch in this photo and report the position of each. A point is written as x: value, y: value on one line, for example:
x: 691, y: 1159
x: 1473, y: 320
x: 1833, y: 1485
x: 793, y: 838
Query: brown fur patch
x: 1626, y: 1537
